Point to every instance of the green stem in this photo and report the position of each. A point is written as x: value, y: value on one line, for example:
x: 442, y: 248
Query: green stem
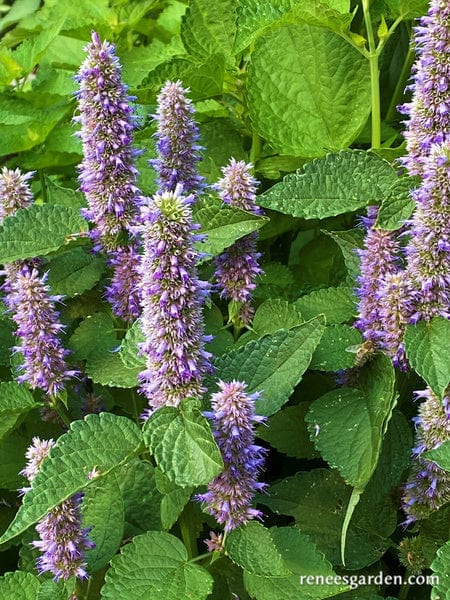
x: 392, y: 113
x: 374, y: 78
x: 61, y: 410
x: 43, y: 186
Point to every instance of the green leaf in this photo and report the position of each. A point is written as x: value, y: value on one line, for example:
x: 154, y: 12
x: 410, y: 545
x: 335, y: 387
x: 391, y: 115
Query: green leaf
x: 398, y: 206
x: 287, y: 432
x: 349, y: 241
x: 338, y: 304
x: 15, y: 402
x: 64, y: 196
x: 129, y: 348
x: 272, y: 365
x: 174, y: 499
x: 308, y: 90
x: 407, y: 9
x: 426, y: 345
x: 223, y: 225
x: 19, y: 586
x: 103, y: 510
x: 182, y: 444
x: 363, y: 416
x: 12, y: 450
x: 302, y: 557
x: 39, y: 230
x: 52, y: 590
x: 209, y: 27
x: 104, y: 441
x: 332, y: 353
x: 270, y: 316
x: 329, y: 186
x: 74, y: 272
x: 18, y: 11
x: 441, y: 566
x: 276, y: 280
x: 252, y: 548
x: 155, y: 565
x: 440, y: 455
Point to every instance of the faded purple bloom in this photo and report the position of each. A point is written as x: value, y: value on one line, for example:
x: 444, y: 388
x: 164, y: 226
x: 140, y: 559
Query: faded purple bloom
x: 428, y: 486
x: 15, y: 191
x: 429, y: 110
x: 38, y: 328
x: 428, y: 250
x: 107, y: 172
x: 172, y: 299
x: 63, y: 541
x: 394, y: 310
x: 230, y: 494
x: 237, y: 267
x: 177, y: 136
x: 378, y: 259
x: 123, y: 291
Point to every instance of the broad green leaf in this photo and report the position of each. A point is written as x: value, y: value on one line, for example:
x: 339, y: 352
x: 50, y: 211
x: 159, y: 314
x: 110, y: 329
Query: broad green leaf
x: 329, y: 186
x: 19, y: 585
x: 182, y: 444
x: 308, y: 90
x: 270, y: 316
x: 74, y: 272
x: 398, y: 206
x: 17, y: 11
x: 129, y: 348
x: 426, y: 345
x: 99, y: 444
x: 103, y: 510
x: 349, y: 241
x: 141, y: 60
x: 272, y: 365
x: 252, y: 548
x: 440, y: 455
x: 332, y: 353
x: 155, y: 565
x: 320, y: 265
x: 209, y: 27
x: 52, y: 590
x: 434, y: 532
x: 15, y: 401
x: 338, y: 304
x: 141, y: 497
x: 407, y: 9
x: 30, y: 51
x: 12, y: 450
x: 64, y: 196
x: 286, y: 431
x: 302, y: 557
x: 39, y: 230
x: 174, y: 499
x: 7, y: 341
x: 223, y: 225
x: 362, y: 414
x: 276, y: 281
x: 441, y: 566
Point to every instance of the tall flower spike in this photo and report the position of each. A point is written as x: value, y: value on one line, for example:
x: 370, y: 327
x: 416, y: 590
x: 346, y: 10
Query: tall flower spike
x: 428, y: 486
x: 378, y: 259
x: 237, y: 268
x: 63, y: 541
x: 177, y: 136
x: 429, y: 110
x: 107, y: 172
x: 428, y: 250
x: 172, y: 299
x: 32, y: 307
x: 230, y: 494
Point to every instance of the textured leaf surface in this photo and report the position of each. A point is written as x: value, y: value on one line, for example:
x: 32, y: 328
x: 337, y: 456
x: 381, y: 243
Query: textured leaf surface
x: 362, y: 414
x: 174, y: 498
x: 38, y: 230
x: 129, y: 348
x: 155, y: 565
x: 338, y: 304
x: 308, y: 90
x: 19, y: 586
x: 15, y: 400
x: 329, y: 186
x: 441, y: 566
x: 141, y: 498
x: 223, y: 225
x: 440, y: 455
x: 398, y: 206
x: 182, y: 444
x: 270, y: 316
x: 104, y: 441
x: 209, y: 27
x: 272, y: 365
x: 349, y: 241
x: 332, y: 353
x: 74, y: 272
x: 426, y: 347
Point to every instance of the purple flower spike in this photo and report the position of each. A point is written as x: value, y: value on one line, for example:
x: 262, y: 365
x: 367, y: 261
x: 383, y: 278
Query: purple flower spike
x: 428, y: 250
x: 38, y: 328
x: 123, y: 291
x: 429, y: 110
x: 428, y: 486
x: 107, y: 172
x: 378, y: 259
x: 15, y: 191
x: 172, y: 299
x: 230, y: 495
x: 63, y: 541
x: 177, y: 137
x: 237, y: 268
